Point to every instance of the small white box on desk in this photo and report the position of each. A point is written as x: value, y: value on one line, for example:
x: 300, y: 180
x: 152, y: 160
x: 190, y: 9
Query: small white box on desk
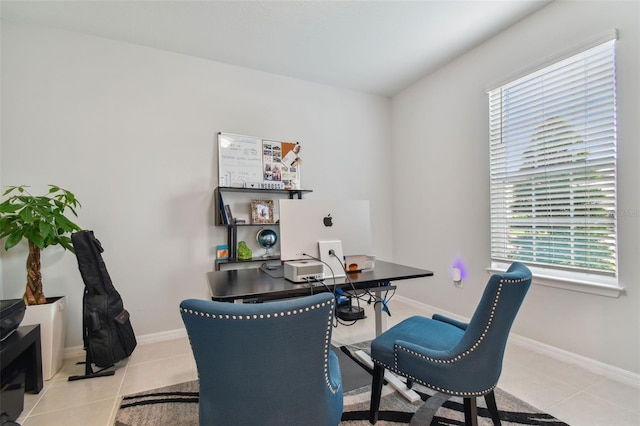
x: 301, y: 271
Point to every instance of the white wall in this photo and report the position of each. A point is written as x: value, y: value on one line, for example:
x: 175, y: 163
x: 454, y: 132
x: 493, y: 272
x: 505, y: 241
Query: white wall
x: 441, y: 187
x: 132, y: 132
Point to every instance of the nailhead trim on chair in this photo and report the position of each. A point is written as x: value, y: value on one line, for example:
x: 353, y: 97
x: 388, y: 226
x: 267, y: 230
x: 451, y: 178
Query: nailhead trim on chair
x: 327, y: 338
x: 457, y: 358
x: 438, y: 388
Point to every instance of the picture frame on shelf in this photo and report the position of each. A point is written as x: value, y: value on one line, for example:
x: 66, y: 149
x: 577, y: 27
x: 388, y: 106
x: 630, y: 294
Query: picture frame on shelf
x: 222, y: 252
x: 262, y: 211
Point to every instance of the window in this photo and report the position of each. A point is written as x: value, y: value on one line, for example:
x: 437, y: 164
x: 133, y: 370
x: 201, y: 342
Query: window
x: 553, y: 170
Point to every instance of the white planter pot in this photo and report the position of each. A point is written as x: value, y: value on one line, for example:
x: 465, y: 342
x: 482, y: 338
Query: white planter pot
x: 52, y: 318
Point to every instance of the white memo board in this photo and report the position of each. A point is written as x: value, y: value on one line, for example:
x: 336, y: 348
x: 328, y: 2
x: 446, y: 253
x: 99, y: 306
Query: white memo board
x: 249, y: 159
x: 239, y: 159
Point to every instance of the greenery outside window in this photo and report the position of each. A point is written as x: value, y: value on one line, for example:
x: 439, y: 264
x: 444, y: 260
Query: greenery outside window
x: 553, y: 170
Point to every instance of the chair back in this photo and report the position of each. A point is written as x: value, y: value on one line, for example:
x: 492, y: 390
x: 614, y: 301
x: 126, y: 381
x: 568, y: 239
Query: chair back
x: 266, y: 363
x: 485, y: 337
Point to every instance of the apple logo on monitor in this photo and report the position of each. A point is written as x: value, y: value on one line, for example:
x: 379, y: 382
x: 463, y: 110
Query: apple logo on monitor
x: 328, y: 220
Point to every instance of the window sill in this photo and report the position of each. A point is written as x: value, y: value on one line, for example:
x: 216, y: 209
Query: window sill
x: 570, y: 284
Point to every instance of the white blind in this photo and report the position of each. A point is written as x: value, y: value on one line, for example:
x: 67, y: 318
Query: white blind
x: 553, y: 165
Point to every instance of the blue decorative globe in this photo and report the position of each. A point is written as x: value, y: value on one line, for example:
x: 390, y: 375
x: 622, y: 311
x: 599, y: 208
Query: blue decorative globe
x: 267, y: 238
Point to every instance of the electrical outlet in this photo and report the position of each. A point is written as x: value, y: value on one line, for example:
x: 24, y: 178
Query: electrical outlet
x: 457, y: 276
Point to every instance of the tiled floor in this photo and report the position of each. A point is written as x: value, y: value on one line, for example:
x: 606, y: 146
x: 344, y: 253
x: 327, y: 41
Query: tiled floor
x: 572, y: 394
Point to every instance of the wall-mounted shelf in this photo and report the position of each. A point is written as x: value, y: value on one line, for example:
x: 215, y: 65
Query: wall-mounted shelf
x: 293, y: 193
x: 232, y: 228
x: 263, y: 259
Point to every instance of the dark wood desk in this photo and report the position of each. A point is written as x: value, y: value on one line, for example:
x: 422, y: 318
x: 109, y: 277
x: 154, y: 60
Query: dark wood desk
x: 257, y: 285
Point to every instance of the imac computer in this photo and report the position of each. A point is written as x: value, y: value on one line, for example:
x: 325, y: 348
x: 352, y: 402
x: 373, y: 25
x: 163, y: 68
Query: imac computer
x: 325, y: 230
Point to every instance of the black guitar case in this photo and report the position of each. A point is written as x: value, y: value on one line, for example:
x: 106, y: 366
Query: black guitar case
x: 107, y: 332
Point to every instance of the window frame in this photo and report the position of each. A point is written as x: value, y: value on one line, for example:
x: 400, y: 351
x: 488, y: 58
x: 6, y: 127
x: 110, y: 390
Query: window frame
x: 572, y: 278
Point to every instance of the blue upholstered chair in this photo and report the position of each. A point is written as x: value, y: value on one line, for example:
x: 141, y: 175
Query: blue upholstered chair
x: 266, y: 363
x: 452, y: 357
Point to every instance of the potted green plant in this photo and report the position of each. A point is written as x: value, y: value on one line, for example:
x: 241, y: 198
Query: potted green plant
x: 41, y: 220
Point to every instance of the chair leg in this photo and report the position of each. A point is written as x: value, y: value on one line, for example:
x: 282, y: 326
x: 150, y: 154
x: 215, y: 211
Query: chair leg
x: 470, y: 412
x: 409, y: 383
x: 376, y: 391
x: 490, y: 398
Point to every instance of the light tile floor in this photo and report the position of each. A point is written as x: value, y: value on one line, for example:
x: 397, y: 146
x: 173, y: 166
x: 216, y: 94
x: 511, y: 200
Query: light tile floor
x: 574, y: 395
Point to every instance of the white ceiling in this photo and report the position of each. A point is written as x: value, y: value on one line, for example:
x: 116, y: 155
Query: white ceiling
x: 377, y: 47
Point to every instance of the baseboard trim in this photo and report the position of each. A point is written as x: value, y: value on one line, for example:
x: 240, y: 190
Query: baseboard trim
x: 178, y: 333
x: 75, y: 351
x: 597, y: 367
x: 589, y: 364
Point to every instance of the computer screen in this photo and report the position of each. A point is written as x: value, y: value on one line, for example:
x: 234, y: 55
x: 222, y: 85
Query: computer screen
x: 305, y: 222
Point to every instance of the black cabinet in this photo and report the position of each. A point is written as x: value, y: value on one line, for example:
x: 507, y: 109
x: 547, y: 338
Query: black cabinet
x: 232, y: 228
x: 20, y: 368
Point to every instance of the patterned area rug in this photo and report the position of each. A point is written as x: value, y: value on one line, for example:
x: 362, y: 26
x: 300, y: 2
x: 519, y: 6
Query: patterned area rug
x: 171, y: 405
x: 178, y: 404
x: 437, y: 409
